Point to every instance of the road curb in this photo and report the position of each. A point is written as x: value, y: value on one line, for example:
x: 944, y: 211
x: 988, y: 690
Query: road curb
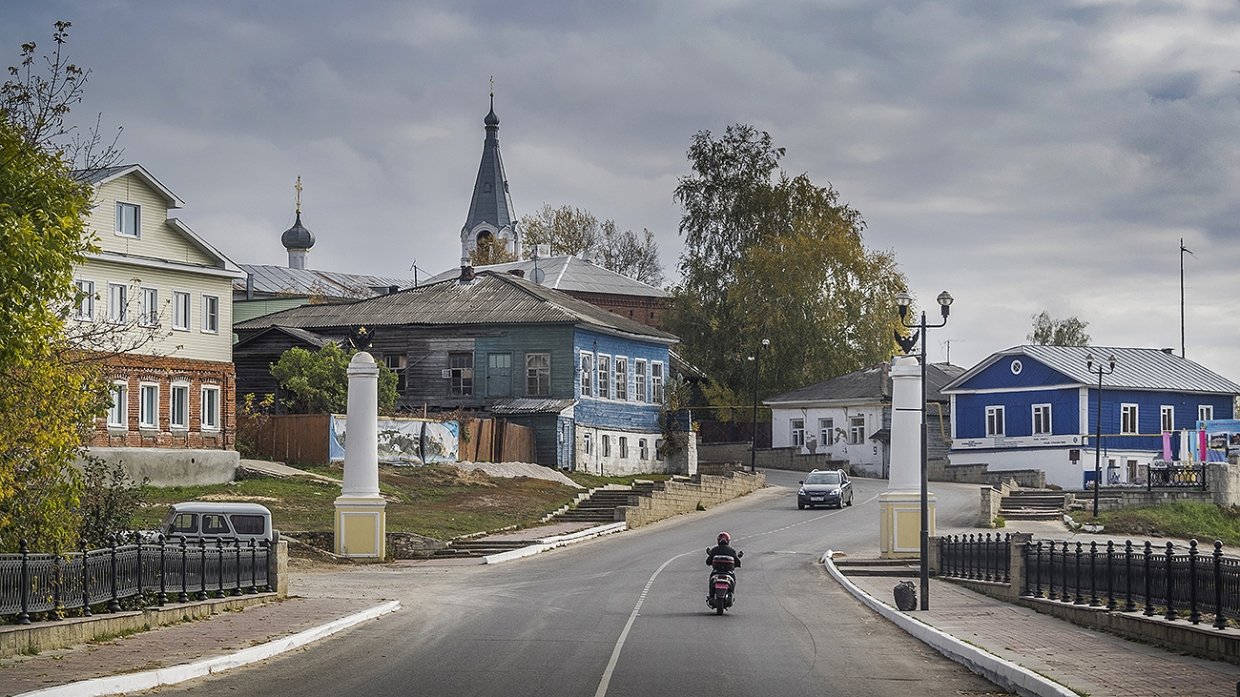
x: 1002, y: 672
x: 146, y: 680
x: 547, y: 543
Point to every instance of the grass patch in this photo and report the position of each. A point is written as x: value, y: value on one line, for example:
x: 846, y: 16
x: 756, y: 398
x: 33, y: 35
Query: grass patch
x: 1182, y: 519
x: 436, y: 501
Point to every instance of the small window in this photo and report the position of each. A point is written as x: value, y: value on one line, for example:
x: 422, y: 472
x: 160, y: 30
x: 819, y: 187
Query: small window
x: 180, y: 311
x: 606, y: 445
x: 214, y: 524
x: 826, y: 431
x: 128, y: 219
x: 624, y: 447
x: 461, y: 374
x: 586, y: 445
x: 210, y: 314
x: 210, y: 408
x: 184, y: 523
x: 640, y: 392
x: 587, y: 374
x: 1041, y: 419
x: 1166, y: 417
x: 396, y: 364
x: 1205, y: 412
x: 84, y: 307
x: 995, y: 426
x: 538, y: 374
x: 150, y: 308
x: 1128, y: 414
x: 248, y: 524
x: 118, y: 413
x: 656, y: 382
x: 658, y: 449
x: 604, y: 377
x: 798, y: 433
x: 118, y: 303
x: 856, y: 430
x: 643, y: 450
x: 622, y: 378
x: 178, y: 407
x: 148, y: 406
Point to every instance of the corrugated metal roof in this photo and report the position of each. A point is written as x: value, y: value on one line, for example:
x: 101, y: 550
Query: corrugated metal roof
x: 281, y: 280
x: 489, y: 299
x: 872, y: 383
x: 1135, y: 368
x: 530, y: 405
x: 301, y: 334
x: 571, y: 274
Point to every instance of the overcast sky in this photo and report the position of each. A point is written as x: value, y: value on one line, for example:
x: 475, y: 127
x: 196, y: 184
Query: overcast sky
x: 1024, y: 156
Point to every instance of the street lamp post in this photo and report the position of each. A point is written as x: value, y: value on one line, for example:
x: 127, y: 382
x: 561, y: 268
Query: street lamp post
x: 1099, y: 371
x: 753, y: 442
x: 903, y: 300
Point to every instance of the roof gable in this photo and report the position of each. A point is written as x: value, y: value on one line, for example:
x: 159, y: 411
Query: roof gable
x: 569, y: 274
x: 868, y: 384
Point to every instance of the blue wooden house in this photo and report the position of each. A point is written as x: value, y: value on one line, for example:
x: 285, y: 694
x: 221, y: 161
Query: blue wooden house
x: 590, y: 383
x: 1037, y: 407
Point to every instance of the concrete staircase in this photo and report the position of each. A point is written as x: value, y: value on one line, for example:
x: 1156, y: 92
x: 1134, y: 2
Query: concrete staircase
x: 472, y: 549
x: 1027, y: 504
x: 599, y: 507
x: 894, y: 568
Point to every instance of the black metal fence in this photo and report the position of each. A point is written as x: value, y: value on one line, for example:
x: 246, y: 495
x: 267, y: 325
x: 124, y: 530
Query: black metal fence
x: 142, y: 574
x: 1177, y: 477
x: 1183, y: 584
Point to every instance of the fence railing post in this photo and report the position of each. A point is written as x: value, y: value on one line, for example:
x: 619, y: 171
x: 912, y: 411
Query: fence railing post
x: 1129, y: 605
x: 24, y: 616
x: 1194, y: 616
x: 85, y: 584
x: 114, y: 604
x: 1149, y: 571
x: 1170, y: 614
x: 1080, y: 592
x: 1037, y: 570
x: 1110, y: 575
x: 1007, y: 554
x: 1065, y: 596
x: 163, y: 570
x: 202, y: 569
x: 58, y: 608
x: 1220, y: 620
x: 183, y: 597
x: 253, y: 567
x: 268, y: 546
x: 1093, y: 574
x: 219, y: 551
x: 237, y: 561
x: 137, y: 540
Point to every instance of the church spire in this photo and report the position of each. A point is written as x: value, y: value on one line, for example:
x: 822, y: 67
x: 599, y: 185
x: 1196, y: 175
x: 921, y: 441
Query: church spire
x: 490, y: 207
x: 297, y: 240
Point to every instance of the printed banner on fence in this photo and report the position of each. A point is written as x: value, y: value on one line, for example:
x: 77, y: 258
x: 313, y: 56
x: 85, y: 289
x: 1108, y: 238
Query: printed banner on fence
x: 405, y: 441
x: 1220, y: 437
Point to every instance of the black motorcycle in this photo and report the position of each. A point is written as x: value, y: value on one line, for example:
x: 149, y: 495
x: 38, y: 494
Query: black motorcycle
x: 722, y: 582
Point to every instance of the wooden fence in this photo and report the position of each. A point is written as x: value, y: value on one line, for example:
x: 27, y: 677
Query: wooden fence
x: 304, y: 439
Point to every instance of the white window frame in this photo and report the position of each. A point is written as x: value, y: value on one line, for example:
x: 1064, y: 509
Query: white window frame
x: 656, y: 382
x: 121, y: 218
x: 209, y: 419
x: 1205, y: 412
x: 148, y: 405
x: 150, y: 307
x: 604, y: 376
x: 643, y: 449
x: 856, y: 431
x: 826, y: 432
x: 1041, y: 422
x: 640, y: 392
x: 996, y: 421
x: 118, y: 303
x: 534, y: 372
x: 180, y: 310
x: 178, y: 396
x: 622, y: 378
x: 797, y: 427
x: 624, y: 447
x: 118, y: 412
x: 1166, y: 417
x: 84, y: 308
x: 586, y: 445
x: 210, y: 314
x: 1129, y: 419
x: 587, y: 374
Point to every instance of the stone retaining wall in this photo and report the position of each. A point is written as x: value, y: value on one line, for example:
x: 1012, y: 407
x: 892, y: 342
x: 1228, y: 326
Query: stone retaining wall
x: 400, y: 545
x: 738, y: 454
x: 678, y: 496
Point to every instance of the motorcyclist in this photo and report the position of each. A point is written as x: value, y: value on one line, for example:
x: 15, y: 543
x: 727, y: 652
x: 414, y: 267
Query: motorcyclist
x: 723, y: 559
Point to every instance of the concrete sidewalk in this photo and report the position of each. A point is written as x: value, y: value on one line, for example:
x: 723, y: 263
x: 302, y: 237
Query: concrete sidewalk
x: 1038, y: 654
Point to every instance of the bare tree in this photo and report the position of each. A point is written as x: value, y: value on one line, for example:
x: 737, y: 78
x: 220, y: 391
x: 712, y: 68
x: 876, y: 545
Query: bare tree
x: 1058, y: 332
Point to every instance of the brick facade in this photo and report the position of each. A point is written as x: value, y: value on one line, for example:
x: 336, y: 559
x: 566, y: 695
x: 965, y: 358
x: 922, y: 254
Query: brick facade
x: 136, y: 370
x: 647, y: 310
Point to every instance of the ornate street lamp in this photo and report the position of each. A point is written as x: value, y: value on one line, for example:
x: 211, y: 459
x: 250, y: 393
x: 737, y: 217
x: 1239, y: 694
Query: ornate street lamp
x: 1099, y: 371
x: 753, y: 443
x: 903, y: 301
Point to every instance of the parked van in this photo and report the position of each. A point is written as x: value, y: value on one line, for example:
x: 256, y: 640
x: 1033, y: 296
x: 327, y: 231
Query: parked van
x: 194, y: 520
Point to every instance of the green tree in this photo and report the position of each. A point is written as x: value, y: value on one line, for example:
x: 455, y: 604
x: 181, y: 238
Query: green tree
x: 574, y: 231
x: 110, y: 500
x: 776, y: 257
x: 1058, y: 332
x: 319, y: 383
x: 490, y: 250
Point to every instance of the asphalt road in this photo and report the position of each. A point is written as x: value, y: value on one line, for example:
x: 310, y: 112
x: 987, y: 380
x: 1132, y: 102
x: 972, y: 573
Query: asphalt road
x: 626, y: 615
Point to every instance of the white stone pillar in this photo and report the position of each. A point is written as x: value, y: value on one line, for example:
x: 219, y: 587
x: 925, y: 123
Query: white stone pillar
x: 361, y: 522
x: 900, y: 505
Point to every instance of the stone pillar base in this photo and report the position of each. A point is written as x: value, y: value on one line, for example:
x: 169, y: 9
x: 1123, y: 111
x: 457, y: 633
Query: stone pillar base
x: 361, y: 527
x: 900, y: 523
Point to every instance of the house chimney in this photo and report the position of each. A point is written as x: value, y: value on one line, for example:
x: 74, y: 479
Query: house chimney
x: 519, y: 273
x: 467, y: 274
x: 249, y: 286
x: 393, y: 289
x: 1169, y: 351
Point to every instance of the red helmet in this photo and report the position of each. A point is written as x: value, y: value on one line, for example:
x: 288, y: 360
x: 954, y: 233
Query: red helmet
x: 724, y: 538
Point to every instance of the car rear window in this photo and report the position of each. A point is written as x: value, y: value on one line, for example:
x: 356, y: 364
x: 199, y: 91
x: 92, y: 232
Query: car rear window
x: 247, y: 524
x: 823, y: 478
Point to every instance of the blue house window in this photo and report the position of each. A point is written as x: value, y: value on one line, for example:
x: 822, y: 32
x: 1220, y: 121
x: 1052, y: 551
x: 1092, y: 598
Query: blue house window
x: 1041, y: 419
x: 1128, y: 414
x: 1205, y: 412
x: 639, y: 381
x: 622, y: 378
x: 604, y: 377
x: 1167, y: 417
x: 994, y: 421
x: 538, y: 374
x: 587, y: 374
